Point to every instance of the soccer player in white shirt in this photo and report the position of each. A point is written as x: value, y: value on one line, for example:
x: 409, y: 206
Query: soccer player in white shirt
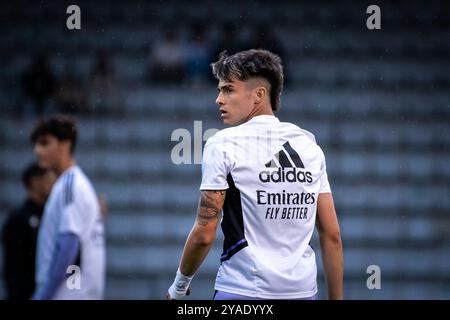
x: 269, y: 179
x: 70, y: 262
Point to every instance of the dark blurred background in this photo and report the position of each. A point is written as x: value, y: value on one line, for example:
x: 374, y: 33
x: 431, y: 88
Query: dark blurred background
x: 378, y: 102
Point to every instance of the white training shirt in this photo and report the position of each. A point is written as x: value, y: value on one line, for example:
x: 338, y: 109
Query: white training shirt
x: 273, y: 172
x: 73, y: 207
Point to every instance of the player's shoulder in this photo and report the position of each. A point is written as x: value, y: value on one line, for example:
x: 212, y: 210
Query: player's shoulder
x: 64, y: 181
x: 223, y: 136
x: 303, y: 132
x: 305, y: 135
x: 73, y: 183
x: 228, y: 133
x: 13, y: 220
x: 83, y: 183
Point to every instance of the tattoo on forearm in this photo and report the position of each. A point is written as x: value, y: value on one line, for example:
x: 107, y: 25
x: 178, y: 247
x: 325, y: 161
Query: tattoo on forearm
x: 210, y: 206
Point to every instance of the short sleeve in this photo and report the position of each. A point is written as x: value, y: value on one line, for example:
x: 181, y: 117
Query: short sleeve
x: 323, y: 180
x: 215, y: 167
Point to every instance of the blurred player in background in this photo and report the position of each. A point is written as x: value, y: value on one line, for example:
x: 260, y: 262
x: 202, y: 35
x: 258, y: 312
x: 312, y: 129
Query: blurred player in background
x: 20, y: 233
x: 72, y: 230
x: 270, y: 180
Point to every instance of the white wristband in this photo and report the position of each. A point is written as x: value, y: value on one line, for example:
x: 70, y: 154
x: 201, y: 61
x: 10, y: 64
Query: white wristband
x: 180, y: 286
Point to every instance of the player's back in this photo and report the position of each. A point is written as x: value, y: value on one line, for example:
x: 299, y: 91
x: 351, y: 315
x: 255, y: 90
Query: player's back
x: 275, y: 172
x: 73, y: 207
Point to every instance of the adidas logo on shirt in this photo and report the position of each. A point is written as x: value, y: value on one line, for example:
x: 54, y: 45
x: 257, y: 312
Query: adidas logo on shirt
x: 289, y: 168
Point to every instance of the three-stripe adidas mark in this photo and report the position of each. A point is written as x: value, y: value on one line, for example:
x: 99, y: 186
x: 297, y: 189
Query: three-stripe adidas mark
x: 290, y: 168
x: 283, y: 159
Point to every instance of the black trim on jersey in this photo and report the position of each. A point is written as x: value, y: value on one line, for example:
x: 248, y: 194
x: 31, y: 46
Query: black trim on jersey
x: 283, y: 159
x: 232, y: 222
x: 78, y: 260
x: 294, y: 155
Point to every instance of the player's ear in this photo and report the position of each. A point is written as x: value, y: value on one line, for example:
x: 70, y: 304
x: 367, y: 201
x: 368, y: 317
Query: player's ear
x: 259, y: 94
x: 66, y: 145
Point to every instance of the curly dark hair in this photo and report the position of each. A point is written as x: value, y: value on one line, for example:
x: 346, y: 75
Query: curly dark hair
x: 253, y: 63
x: 31, y: 171
x: 61, y: 127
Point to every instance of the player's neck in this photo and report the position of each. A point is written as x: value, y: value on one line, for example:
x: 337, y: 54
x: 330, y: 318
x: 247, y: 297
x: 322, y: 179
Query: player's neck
x: 264, y: 111
x: 35, y: 198
x: 65, y: 164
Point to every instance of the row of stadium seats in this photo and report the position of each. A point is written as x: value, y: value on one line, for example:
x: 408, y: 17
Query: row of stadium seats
x: 287, y: 11
x: 155, y: 136
x: 133, y: 69
x: 149, y: 166
x: 126, y: 192
x: 312, y: 40
x: 377, y: 103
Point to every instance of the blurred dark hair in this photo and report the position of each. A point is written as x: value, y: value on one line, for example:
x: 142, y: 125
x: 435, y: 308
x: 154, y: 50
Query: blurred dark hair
x: 33, y: 170
x: 252, y: 63
x: 61, y: 127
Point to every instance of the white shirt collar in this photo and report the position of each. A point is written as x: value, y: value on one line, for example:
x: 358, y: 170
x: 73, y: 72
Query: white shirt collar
x: 265, y: 118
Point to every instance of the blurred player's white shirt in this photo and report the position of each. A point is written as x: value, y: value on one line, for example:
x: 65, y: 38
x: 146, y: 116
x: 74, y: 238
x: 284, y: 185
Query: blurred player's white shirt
x: 273, y: 172
x: 73, y: 207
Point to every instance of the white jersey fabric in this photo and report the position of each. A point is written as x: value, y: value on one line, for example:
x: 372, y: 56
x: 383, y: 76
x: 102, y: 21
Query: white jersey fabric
x: 273, y: 172
x: 73, y: 207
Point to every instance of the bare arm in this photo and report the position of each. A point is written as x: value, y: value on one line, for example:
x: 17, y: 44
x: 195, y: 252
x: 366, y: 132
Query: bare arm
x: 203, y: 233
x: 199, y: 241
x: 331, y: 245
